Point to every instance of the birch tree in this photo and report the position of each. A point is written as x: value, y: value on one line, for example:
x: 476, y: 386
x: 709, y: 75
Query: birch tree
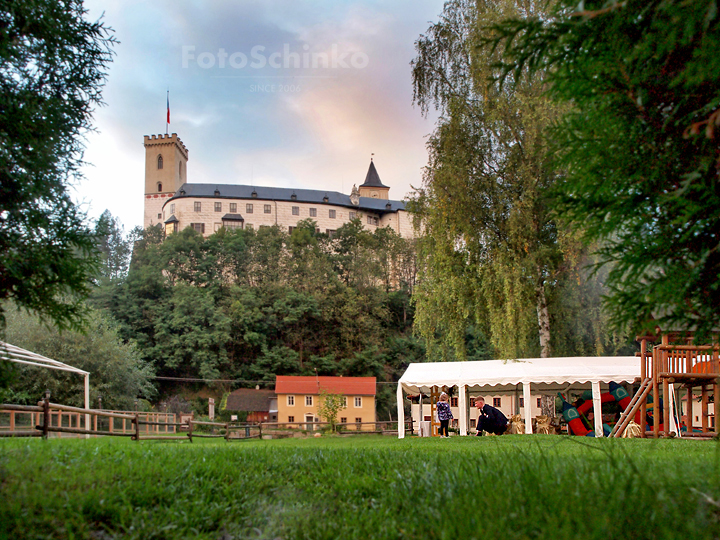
x: 491, y: 251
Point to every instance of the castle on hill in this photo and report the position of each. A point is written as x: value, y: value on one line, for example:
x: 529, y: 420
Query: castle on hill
x: 173, y: 203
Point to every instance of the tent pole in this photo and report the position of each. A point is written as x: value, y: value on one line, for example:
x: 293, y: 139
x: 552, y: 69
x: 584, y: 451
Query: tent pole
x: 87, y: 402
x: 597, y: 409
x: 527, y: 407
x: 401, y: 412
x: 462, y: 409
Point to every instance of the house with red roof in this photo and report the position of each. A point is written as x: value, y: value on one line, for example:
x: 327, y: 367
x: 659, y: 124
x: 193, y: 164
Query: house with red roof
x: 298, y: 399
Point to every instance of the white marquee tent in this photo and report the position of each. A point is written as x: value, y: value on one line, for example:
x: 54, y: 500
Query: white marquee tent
x: 23, y: 356
x: 547, y: 375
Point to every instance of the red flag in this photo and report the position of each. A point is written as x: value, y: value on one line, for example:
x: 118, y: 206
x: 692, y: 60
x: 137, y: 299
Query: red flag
x: 168, y: 109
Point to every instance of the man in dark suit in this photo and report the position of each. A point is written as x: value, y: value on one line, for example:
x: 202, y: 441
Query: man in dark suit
x: 489, y: 419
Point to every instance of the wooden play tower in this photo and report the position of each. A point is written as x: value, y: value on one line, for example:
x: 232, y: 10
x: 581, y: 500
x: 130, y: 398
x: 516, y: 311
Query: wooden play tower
x: 674, y: 367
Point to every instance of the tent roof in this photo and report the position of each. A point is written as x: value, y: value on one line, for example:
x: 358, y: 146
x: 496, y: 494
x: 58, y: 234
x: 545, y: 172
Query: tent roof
x: 23, y: 356
x: 503, y: 375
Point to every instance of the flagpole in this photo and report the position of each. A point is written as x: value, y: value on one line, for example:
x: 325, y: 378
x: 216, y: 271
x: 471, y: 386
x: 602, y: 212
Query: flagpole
x: 167, y: 122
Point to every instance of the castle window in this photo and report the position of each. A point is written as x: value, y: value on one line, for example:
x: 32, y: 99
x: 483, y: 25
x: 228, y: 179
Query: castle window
x: 197, y: 206
x: 268, y: 209
x: 313, y: 212
x: 218, y: 207
x: 331, y: 232
x: 180, y: 168
x: 372, y: 220
x: 233, y: 208
x: 291, y: 229
x: 331, y: 214
x: 160, y: 162
x: 352, y: 215
x: 295, y: 210
x: 159, y: 186
x: 172, y: 208
x: 199, y: 227
x: 249, y: 208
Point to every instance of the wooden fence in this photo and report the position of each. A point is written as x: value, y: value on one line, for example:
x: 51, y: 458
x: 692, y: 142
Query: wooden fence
x: 51, y: 418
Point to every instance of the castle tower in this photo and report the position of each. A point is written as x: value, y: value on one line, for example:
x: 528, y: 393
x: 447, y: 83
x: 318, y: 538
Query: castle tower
x: 165, y: 172
x: 373, y: 187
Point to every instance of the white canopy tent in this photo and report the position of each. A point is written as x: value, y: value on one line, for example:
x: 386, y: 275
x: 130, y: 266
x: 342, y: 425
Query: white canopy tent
x: 23, y: 356
x: 503, y: 376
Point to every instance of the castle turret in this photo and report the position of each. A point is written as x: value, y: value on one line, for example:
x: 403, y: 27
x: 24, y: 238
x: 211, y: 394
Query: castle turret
x: 373, y: 187
x: 165, y: 172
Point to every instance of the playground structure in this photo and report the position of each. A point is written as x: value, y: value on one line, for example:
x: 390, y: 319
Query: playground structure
x: 676, y: 360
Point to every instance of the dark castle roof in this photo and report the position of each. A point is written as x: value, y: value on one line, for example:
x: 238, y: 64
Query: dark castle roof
x: 373, y: 178
x: 232, y: 191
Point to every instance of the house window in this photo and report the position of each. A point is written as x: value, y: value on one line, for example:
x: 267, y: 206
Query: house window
x: 522, y: 402
x: 344, y: 402
x: 539, y: 402
x: 358, y: 420
x: 199, y: 227
x: 454, y: 402
x: 472, y: 401
x: 295, y: 210
x: 197, y: 206
x: 352, y: 215
x: 358, y: 402
x: 497, y: 402
x: 308, y: 401
x: 291, y: 401
x: 472, y: 422
x: 159, y: 216
x: 218, y: 207
x: 372, y: 220
x: 331, y: 214
x: 160, y: 162
x: 172, y: 208
x: 268, y: 209
x: 248, y: 208
x: 232, y: 224
x: 291, y: 419
x: 343, y: 420
x: 313, y: 212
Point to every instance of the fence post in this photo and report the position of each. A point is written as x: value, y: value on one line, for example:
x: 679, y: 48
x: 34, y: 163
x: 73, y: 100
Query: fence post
x: 260, y: 436
x: 190, y: 426
x: 227, y: 431
x: 136, y: 420
x: 46, y: 414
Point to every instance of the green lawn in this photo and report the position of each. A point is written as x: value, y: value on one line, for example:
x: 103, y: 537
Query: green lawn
x: 363, y: 487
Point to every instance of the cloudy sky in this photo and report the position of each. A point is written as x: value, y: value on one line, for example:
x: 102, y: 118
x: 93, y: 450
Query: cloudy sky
x: 288, y: 93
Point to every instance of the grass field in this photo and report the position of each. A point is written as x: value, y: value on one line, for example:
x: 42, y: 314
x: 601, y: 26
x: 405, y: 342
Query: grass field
x: 365, y: 487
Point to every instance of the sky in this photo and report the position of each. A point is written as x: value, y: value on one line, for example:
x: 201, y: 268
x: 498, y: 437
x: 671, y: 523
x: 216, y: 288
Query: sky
x: 282, y: 93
